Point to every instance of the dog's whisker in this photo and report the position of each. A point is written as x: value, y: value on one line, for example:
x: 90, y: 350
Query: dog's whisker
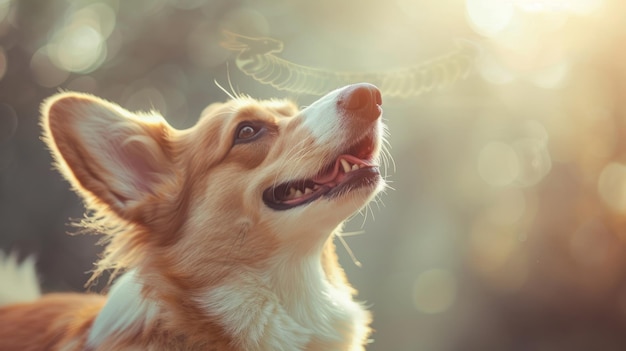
x: 349, y: 251
x: 230, y: 84
x: 231, y: 96
x: 349, y: 234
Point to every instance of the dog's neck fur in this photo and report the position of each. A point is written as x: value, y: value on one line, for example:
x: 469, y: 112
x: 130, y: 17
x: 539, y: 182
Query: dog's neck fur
x: 296, y: 303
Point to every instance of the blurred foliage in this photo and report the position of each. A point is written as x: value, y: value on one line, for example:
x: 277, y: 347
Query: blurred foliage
x: 506, y: 228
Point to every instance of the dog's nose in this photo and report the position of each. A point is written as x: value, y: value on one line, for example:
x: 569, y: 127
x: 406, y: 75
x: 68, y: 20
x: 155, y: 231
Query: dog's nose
x: 361, y: 100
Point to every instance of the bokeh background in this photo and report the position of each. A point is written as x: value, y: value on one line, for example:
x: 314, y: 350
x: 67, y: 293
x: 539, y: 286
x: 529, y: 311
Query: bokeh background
x: 506, y: 228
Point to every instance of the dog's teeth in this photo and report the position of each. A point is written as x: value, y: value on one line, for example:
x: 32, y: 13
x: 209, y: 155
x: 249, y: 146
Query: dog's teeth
x: 355, y: 167
x: 315, y: 187
x: 345, y: 165
x: 307, y: 191
x: 298, y: 193
x: 292, y: 192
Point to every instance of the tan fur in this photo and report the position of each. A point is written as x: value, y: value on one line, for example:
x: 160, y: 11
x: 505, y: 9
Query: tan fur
x: 191, y: 221
x: 53, y: 320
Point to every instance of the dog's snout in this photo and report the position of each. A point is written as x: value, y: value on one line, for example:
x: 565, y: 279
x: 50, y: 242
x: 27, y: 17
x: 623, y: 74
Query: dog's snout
x: 361, y: 100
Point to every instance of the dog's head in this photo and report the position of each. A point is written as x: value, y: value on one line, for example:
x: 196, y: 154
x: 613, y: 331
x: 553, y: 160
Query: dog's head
x: 250, y: 179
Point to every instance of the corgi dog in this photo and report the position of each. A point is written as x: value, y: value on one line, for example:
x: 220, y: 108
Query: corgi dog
x: 222, y: 233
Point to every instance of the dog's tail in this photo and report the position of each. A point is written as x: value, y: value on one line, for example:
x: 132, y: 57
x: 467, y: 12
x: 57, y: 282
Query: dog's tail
x: 18, y: 280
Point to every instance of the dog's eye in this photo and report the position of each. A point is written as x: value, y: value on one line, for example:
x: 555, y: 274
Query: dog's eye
x: 247, y: 132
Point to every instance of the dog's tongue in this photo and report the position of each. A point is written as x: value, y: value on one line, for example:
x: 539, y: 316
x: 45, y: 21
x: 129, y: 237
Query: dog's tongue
x: 336, y: 173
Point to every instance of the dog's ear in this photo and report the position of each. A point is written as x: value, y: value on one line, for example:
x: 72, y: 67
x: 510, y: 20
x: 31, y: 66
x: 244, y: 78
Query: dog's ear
x: 110, y: 155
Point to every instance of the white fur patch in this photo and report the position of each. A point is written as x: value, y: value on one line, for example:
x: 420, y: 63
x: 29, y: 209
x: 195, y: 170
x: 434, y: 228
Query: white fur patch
x: 291, y: 307
x: 126, y: 311
x: 337, y: 322
x: 18, y: 280
x: 322, y: 118
x: 254, y: 318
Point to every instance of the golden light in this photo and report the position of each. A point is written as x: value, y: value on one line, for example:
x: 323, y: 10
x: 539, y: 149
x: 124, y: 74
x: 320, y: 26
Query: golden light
x: 489, y: 17
x: 434, y: 291
x: 490, y: 245
x: 498, y: 164
x: 79, y: 49
x: 494, y: 253
x: 528, y: 39
x: 580, y: 7
x: 508, y: 208
x: 612, y: 186
x: 534, y: 160
x: 493, y: 71
x: 44, y: 71
x: 551, y: 77
x: 77, y: 46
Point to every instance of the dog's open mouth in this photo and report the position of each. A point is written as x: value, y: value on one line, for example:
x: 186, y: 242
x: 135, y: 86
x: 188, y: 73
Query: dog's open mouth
x: 350, y: 170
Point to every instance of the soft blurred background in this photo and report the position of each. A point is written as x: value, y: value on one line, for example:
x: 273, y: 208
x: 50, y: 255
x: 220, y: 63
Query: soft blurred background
x: 506, y: 228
